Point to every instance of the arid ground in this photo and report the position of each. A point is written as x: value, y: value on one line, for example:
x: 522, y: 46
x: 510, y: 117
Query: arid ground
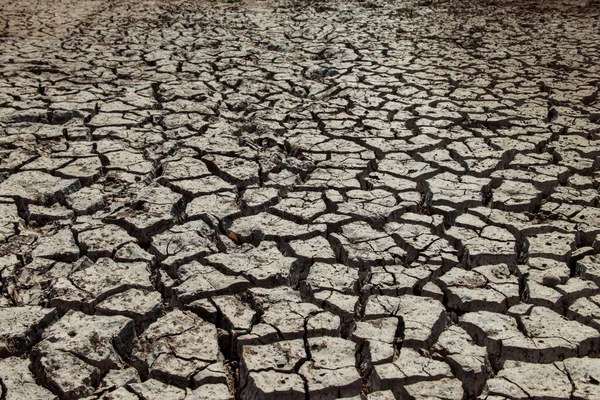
x: 281, y: 200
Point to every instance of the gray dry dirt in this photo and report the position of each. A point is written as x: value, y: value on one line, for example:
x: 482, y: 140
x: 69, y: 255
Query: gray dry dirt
x: 288, y: 200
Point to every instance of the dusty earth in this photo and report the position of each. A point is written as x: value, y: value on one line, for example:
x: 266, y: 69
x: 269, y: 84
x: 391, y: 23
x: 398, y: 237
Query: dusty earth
x: 299, y: 200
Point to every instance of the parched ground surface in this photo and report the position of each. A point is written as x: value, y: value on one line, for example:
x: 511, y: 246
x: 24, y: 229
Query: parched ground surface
x: 299, y: 200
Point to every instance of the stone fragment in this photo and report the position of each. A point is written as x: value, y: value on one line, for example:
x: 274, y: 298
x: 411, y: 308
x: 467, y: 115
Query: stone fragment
x: 118, y: 394
x: 115, y: 119
x: 343, y: 305
x: 205, y: 309
x: 538, y: 178
x: 571, y: 195
x: 441, y: 158
x: 29, y: 285
x: 46, y: 164
x: 547, y: 329
x: 212, y: 391
x: 15, y: 159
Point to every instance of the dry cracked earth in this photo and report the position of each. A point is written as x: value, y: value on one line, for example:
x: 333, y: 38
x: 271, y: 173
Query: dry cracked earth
x: 299, y: 200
